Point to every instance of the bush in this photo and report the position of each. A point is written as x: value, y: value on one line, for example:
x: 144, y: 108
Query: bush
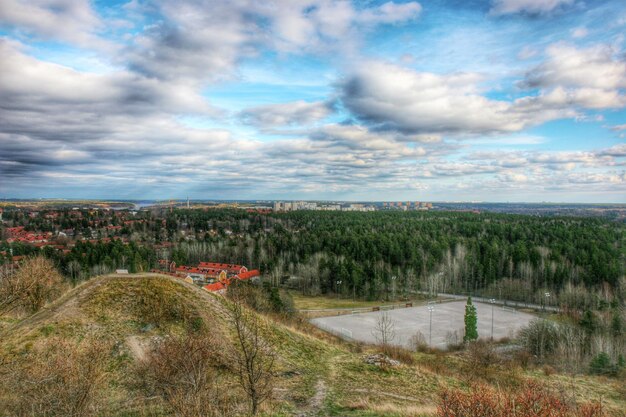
x: 29, y: 288
x: 184, y: 372
x: 540, y: 337
x: 548, y: 370
x: 601, y: 364
x: 481, y: 355
x: 264, y: 299
x: 418, y: 342
x: 58, y: 378
x: 531, y: 401
x: 398, y: 353
x: 454, y: 342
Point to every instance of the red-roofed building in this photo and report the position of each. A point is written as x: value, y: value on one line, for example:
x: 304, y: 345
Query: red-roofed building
x: 248, y: 275
x: 211, y: 272
x: 216, y: 287
x: 229, y: 268
x: 15, y: 231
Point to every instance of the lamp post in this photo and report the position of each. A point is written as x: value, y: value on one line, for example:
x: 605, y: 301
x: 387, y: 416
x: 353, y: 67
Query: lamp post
x: 430, y: 326
x: 338, y: 284
x: 493, y: 302
x: 543, y: 328
x: 547, y: 294
x: 393, y: 287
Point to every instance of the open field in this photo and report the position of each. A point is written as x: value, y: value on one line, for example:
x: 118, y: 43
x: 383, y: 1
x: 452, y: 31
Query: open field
x: 446, y: 318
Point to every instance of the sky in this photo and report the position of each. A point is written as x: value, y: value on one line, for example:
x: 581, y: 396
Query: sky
x: 437, y: 100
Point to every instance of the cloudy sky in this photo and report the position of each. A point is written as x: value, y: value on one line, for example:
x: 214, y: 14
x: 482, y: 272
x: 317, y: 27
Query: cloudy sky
x: 493, y: 100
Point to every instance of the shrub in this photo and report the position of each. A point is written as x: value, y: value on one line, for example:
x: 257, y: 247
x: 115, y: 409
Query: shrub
x: 523, y: 358
x: 58, y: 378
x: 481, y: 355
x: 531, y: 401
x: 540, y: 337
x: 398, y: 353
x: 36, y: 282
x: 184, y: 372
x: 548, y: 370
x: 454, y: 342
x: 418, y: 342
x: 601, y: 364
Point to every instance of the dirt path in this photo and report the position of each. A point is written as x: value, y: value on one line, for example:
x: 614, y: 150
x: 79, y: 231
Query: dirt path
x: 64, y: 306
x: 316, y: 403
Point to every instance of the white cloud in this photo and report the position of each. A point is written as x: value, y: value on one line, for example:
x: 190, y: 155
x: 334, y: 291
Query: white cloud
x: 286, y: 114
x: 26, y: 82
x: 618, y: 128
x: 528, y: 6
x: 203, y: 40
x: 590, y: 77
x: 567, y: 66
x: 73, y: 21
x: 399, y: 98
x: 580, y: 32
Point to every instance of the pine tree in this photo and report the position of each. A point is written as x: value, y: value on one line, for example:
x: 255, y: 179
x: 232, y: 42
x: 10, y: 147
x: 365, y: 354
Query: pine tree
x: 471, y: 320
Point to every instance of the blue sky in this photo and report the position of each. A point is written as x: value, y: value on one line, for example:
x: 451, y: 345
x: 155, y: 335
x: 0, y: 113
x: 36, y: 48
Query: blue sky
x: 495, y: 100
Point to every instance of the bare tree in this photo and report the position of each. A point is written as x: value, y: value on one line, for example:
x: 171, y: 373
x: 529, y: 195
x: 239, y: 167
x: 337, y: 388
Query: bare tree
x: 36, y: 282
x: 253, y: 356
x: 385, y: 330
x: 74, y: 269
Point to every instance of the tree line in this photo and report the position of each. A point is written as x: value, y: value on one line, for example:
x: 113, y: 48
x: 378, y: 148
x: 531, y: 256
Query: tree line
x: 379, y: 255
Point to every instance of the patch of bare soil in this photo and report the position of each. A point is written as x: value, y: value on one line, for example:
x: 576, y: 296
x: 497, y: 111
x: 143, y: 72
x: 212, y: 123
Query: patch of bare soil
x: 138, y: 347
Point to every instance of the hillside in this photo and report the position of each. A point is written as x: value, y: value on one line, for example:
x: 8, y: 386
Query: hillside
x: 315, y: 373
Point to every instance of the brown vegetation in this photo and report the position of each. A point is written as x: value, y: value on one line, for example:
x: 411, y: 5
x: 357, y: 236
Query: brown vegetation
x: 253, y: 356
x: 28, y: 288
x: 531, y: 401
x: 57, y: 378
x: 186, y: 373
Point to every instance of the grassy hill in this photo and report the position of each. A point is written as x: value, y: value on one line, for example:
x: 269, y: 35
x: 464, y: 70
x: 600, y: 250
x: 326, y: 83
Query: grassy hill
x: 109, y: 325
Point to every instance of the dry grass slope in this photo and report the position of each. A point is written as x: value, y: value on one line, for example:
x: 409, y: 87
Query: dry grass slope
x: 116, y: 321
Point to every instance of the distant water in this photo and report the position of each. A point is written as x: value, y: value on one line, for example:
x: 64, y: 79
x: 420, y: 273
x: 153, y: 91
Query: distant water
x: 141, y: 204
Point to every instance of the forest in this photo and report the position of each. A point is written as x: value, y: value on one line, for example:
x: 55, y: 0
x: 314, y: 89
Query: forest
x: 373, y: 255
x: 379, y: 255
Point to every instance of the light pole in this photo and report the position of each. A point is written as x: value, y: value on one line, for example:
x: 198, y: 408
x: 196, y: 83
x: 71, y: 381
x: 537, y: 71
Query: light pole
x: 430, y: 326
x: 547, y: 294
x: 393, y: 287
x: 493, y: 302
x: 338, y: 284
x: 543, y: 328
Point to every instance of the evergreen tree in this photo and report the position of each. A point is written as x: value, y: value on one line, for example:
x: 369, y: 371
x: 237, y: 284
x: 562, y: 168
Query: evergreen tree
x: 471, y: 321
x: 601, y: 364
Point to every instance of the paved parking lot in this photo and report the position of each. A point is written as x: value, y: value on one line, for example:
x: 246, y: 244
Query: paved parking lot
x: 446, y: 317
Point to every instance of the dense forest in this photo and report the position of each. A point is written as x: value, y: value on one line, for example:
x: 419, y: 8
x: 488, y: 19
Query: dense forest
x: 373, y: 255
x: 381, y: 254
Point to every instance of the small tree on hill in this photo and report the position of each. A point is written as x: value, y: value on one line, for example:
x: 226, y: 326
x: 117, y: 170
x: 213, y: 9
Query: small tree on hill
x: 36, y: 282
x: 253, y: 356
x: 471, y: 320
x: 385, y: 330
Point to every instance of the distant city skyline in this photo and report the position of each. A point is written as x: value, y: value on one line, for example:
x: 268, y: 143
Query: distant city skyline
x: 444, y: 100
